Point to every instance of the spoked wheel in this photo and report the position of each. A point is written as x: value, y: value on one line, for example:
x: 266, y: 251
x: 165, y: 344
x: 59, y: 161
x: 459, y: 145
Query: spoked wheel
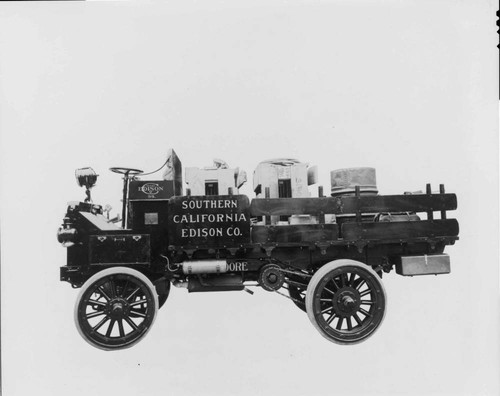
x: 116, y: 308
x: 346, y: 301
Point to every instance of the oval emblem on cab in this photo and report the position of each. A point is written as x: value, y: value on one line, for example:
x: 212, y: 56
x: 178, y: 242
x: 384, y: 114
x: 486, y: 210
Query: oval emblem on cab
x: 151, y: 188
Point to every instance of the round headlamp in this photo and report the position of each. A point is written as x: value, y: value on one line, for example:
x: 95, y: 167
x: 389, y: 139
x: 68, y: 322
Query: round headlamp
x: 86, y: 177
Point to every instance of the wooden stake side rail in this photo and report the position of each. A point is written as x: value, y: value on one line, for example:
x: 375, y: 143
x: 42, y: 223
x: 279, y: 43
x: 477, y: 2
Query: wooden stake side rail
x: 365, y: 230
x: 313, y: 233
x: 368, y: 232
x: 405, y: 230
x: 353, y: 205
x: 323, y: 235
x: 303, y: 234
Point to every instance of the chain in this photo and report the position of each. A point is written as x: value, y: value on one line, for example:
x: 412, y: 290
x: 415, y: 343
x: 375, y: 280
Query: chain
x: 296, y: 273
x: 298, y: 284
x: 291, y: 282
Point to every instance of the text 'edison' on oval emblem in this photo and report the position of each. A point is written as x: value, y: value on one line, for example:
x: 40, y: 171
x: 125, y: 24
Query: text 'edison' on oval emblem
x: 151, y: 188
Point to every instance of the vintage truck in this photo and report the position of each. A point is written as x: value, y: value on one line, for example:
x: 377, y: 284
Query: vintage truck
x: 327, y: 252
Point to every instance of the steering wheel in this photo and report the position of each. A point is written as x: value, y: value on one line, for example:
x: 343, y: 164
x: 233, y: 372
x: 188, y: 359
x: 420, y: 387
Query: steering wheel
x: 126, y: 171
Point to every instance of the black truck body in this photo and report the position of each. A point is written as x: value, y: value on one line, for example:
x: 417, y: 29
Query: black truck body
x: 330, y: 261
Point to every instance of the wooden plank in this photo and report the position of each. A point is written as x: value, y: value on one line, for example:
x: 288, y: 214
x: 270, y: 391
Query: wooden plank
x: 289, y: 206
x: 399, y: 230
x: 304, y: 233
x: 350, y: 205
x: 399, y: 203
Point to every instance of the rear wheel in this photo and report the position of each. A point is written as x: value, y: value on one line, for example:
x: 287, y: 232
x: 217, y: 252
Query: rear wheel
x: 116, y: 308
x: 346, y: 301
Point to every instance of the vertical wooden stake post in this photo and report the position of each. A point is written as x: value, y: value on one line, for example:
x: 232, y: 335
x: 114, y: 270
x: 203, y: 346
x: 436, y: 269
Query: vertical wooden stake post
x: 357, y: 190
x: 268, y: 194
x: 441, y: 191
x: 428, y: 190
x: 321, y: 216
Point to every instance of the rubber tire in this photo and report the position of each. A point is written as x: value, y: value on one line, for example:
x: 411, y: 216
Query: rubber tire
x: 113, y: 271
x: 325, y: 269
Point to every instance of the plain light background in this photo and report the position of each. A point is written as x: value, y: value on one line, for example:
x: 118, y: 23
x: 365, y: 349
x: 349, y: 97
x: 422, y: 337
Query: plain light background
x: 406, y: 87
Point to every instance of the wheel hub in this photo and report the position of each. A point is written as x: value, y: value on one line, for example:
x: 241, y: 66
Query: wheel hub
x: 346, y: 301
x: 117, y: 308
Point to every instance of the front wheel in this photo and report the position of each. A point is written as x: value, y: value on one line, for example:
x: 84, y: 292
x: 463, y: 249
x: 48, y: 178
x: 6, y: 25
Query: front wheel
x: 346, y: 301
x: 116, y: 308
